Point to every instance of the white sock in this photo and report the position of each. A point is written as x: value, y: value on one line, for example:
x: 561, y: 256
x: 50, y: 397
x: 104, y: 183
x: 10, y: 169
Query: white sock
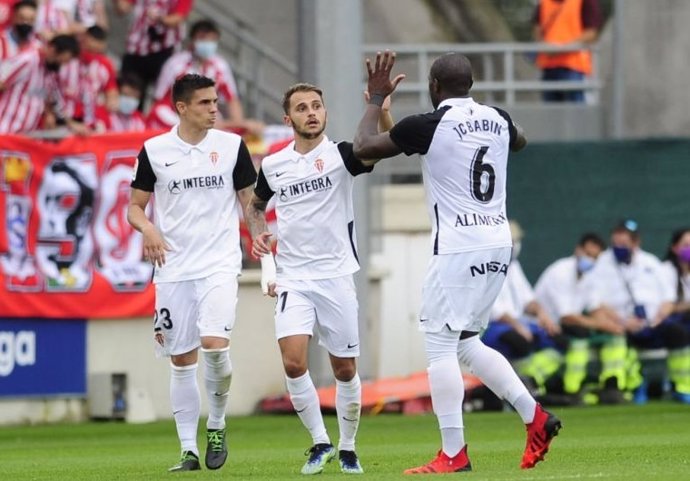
x: 305, y: 400
x: 497, y: 374
x: 525, y: 406
x: 217, y: 377
x: 186, y: 405
x: 447, y: 394
x: 348, y: 406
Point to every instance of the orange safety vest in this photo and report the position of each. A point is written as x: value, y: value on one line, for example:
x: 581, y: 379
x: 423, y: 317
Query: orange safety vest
x: 562, y: 22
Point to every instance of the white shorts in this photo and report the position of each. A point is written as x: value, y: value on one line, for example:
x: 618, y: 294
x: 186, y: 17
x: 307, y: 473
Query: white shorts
x: 460, y: 289
x: 329, y: 304
x: 189, y: 310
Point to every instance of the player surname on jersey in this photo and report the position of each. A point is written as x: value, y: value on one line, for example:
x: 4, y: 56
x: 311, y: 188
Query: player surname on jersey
x: 469, y: 220
x: 477, y: 125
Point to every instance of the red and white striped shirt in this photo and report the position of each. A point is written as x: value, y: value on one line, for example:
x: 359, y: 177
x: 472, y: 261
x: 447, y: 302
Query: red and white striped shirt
x: 162, y: 114
x: 10, y: 48
x: 27, y: 87
x: 117, y: 122
x: 84, y: 82
x: 140, y: 41
x: 50, y: 18
x: 184, y: 62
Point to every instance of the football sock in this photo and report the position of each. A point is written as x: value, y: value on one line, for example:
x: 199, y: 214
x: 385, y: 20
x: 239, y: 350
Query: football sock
x: 348, y: 405
x: 497, y: 374
x: 186, y: 405
x: 305, y: 400
x: 217, y: 377
x: 447, y: 393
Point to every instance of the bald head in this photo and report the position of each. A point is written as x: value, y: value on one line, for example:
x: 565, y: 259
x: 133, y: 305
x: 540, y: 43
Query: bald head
x: 450, y: 76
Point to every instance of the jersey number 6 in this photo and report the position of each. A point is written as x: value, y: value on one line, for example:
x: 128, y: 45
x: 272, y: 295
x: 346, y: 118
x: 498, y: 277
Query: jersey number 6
x: 482, y: 177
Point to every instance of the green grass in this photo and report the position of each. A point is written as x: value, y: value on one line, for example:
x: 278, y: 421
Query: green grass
x: 600, y: 443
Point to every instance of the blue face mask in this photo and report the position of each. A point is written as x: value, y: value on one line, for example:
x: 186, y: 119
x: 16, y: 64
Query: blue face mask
x: 584, y: 263
x: 205, y: 49
x: 127, y: 105
x: 622, y: 254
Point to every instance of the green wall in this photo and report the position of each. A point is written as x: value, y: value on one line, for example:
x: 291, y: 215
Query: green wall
x: 559, y: 191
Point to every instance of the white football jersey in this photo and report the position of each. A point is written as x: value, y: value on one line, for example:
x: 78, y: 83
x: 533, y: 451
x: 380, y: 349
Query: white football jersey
x: 464, y: 147
x: 195, y: 200
x: 316, y: 231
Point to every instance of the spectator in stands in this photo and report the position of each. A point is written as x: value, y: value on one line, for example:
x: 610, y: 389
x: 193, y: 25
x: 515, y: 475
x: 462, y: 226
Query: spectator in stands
x: 90, y: 81
x: 520, y: 328
x: 627, y: 284
x: 676, y: 271
x: 563, y: 22
x: 126, y: 118
x: 201, y: 57
x: 28, y: 83
x: 561, y: 290
x: 20, y: 34
x: 157, y: 27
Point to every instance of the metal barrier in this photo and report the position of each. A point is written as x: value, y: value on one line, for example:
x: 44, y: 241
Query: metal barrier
x: 498, y: 65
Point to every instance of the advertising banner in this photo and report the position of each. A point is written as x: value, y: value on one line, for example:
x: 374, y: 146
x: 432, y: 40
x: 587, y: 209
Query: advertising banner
x: 42, y: 357
x: 66, y: 249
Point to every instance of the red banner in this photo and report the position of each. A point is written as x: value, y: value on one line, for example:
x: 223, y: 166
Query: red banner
x: 66, y: 249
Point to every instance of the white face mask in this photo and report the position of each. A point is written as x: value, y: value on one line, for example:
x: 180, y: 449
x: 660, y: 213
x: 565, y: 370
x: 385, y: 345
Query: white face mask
x: 205, y: 48
x: 128, y: 104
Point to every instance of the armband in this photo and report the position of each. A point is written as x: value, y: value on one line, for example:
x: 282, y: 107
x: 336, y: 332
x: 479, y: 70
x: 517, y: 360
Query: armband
x: 376, y: 99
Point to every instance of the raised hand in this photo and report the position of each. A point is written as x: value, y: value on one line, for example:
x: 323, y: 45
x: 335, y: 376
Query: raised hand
x: 379, y: 82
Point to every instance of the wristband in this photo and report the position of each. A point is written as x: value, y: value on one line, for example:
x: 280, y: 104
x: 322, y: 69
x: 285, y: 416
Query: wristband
x: 376, y: 99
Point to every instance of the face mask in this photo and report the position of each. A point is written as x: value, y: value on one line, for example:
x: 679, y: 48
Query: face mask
x: 205, y: 48
x: 684, y: 254
x: 128, y: 104
x: 622, y: 254
x: 23, y: 31
x: 584, y: 263
x: 517, y: 247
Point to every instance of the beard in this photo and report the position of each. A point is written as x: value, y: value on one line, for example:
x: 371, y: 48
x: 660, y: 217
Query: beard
x: 309, y: 135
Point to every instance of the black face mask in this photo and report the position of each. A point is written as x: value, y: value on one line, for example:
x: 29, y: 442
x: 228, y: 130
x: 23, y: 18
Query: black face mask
x: 52, y: 66
x: 23, y: 31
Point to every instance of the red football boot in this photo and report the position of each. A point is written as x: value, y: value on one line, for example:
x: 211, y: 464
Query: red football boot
x: 443, y: 464
x: 540, y: 433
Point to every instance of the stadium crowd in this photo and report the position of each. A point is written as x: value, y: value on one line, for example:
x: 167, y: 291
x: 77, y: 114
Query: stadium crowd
x: 577, y: 336
x: 55, y: 69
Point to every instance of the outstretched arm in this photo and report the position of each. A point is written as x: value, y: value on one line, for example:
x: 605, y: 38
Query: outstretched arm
x: 368, y: 142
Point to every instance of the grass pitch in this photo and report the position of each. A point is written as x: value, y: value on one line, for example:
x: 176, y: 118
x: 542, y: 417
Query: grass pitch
x: 623, y: 443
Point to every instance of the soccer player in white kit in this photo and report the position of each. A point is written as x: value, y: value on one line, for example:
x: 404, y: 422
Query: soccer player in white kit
x: 312, y: 180
x: 464, y: 147
x: 201, y: 177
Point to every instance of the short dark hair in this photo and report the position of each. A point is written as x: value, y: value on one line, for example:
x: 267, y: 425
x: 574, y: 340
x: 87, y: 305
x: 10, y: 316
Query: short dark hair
x: 132, y: 80
x: 299, y: 87
x: 185, y: 86
x: 628, y: 226
x: 24, y: 3
x: 65, y: 43
x: 97, y: 32
x: 592, y: 238
x: 203, y: 26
